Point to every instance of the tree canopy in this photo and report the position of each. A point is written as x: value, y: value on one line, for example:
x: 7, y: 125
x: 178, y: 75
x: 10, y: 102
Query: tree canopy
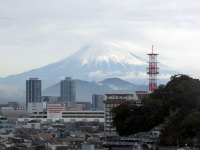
x: 177, y: 104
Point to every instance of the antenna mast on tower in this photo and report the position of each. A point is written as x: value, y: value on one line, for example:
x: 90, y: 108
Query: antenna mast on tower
x: 152, y: 70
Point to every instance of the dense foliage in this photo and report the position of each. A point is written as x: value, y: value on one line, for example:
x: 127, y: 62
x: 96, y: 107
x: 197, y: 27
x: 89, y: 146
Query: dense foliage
x: 177, y: 105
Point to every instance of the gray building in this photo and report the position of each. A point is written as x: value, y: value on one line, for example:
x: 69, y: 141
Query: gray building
x: 33, y: 91
x: 97, y: 101
x: 68, y: 92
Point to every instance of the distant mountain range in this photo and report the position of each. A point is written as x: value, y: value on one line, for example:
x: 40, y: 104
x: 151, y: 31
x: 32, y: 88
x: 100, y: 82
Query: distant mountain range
x: 91, y: 63
x: 85, y: 89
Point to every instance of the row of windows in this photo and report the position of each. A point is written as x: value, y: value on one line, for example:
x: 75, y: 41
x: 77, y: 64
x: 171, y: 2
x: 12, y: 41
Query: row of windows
x: 112, y: 105
x: 85, y: 113
x: 118, y: 97
x: 2, y: 127
x: 83, y: 116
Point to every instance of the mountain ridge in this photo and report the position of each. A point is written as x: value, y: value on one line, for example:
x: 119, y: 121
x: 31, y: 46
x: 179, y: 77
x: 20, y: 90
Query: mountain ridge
x: 85, y: 89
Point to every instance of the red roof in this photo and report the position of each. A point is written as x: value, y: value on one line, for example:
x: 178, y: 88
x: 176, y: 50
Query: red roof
x: 42, y: 135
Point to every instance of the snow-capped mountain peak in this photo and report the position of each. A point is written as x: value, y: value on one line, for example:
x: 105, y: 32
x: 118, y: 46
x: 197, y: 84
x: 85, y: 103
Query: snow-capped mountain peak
x: 100, y: 54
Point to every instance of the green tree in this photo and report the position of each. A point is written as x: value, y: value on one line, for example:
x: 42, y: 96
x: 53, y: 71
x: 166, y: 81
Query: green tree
x: 191, y: 125
x: 177, y: 103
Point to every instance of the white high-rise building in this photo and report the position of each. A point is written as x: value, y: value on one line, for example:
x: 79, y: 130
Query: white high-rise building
x: 68, y: 92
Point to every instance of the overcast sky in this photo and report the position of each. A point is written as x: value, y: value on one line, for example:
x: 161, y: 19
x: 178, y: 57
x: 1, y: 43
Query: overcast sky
x: 34, y: 33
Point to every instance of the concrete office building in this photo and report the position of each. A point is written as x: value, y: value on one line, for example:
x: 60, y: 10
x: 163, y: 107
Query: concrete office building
x: 68, y: 92
x: 33, y: 92
x: 97, y: 102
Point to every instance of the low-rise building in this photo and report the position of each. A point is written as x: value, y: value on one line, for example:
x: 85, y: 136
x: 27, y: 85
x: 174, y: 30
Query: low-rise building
x: 35, y: 107
x: 54, y: 110
x: 79, y: 107
x: 83, y: 116
x: 34, y: 124
x: 5, y: 125
x: 67, y: 116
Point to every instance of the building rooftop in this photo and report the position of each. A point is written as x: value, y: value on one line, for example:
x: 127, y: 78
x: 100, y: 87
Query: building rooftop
x: 34, y: 121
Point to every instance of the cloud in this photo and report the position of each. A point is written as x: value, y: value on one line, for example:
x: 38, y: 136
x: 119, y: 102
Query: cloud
x: 11, y: 93
x: 97, y: 74
x: 101, y: 74
x: 115, y: 88
x: 133, y: 75
x: 33, y: 30
x: 164, y: 76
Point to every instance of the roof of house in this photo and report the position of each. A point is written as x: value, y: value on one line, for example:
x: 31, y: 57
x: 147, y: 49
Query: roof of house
x: 42, y: 135
x: 34, y: 121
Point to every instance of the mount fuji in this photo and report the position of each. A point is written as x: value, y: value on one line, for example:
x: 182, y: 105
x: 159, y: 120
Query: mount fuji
x: 91, y: 63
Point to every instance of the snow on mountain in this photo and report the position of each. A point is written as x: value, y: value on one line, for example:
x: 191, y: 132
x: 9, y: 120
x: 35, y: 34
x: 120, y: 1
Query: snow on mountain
x: 94, y: 62
x: 99, y: 54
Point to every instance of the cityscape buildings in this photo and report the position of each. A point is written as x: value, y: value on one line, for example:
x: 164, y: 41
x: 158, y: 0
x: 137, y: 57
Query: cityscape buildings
x: 68, y: 92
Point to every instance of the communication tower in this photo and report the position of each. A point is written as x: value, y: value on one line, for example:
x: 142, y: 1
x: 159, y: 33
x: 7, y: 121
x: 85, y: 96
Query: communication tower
x: 152, y: 70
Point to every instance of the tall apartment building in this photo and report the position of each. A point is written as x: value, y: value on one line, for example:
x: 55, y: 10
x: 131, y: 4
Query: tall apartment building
x: 97, y: 101
x: 33, y: 91
x: 68, y: 92
x: 114, y: 100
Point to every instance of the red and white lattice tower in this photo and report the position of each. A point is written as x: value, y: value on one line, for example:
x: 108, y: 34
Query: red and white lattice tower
x: 152, y: 70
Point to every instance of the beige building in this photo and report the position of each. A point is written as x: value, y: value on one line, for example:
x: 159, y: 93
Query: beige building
x: 54, y: 110
x: 114, y: 100
x: 79, y: 107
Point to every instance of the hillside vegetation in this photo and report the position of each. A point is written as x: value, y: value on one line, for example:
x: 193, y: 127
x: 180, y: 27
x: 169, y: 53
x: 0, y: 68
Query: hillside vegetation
x: 177, y: 105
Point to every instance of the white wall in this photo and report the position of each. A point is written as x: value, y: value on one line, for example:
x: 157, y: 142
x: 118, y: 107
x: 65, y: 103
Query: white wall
x: 35, y: 107
x: 33, y: 125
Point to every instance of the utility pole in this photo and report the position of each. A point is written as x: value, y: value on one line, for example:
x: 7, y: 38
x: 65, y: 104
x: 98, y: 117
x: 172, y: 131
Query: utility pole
x: 177, y: 144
